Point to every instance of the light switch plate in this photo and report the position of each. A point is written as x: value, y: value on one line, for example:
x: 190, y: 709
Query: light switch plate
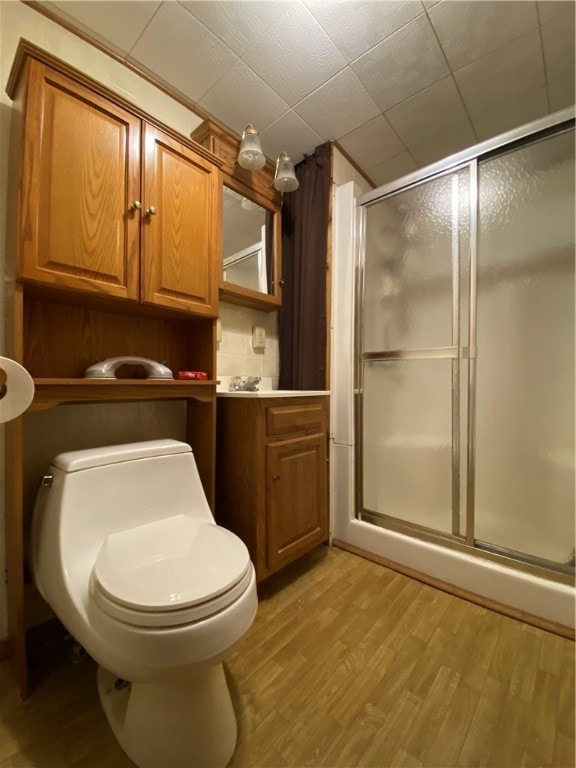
x: 258, y: 337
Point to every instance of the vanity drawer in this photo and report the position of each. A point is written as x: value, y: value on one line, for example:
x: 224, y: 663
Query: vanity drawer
x: 303, y: 417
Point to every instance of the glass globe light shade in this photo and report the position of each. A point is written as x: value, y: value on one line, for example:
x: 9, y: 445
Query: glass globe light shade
x: 250, y: 155
x: 285, y: 179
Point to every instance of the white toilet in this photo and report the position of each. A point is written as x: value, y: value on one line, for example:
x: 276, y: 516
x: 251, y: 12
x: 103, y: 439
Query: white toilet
x: 127, y: 553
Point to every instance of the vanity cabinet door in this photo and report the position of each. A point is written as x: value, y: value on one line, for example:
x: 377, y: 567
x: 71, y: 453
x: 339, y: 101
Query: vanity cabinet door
x: 180, y: 226
x: 81, y: 173
x: 272, y: 476
x: 296, y: 483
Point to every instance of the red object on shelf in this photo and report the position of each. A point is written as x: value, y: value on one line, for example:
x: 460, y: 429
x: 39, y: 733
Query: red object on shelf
x: 193, y: 375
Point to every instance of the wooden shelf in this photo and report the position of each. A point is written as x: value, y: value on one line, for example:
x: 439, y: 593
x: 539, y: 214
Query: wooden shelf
x: 51, y: 392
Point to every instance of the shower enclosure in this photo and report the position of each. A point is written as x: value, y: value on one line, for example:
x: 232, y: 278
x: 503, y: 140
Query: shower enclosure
x: 465, y: 353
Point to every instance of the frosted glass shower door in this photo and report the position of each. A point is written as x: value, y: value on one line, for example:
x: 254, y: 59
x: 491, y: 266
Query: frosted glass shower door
x: 525, y: 367
x: 414, y: 317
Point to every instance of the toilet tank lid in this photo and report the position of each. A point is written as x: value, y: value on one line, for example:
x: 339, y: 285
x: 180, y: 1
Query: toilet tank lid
x: 73, y: 461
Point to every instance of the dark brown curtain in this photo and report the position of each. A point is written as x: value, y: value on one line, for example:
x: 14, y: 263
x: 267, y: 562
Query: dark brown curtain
x: 302, y: 319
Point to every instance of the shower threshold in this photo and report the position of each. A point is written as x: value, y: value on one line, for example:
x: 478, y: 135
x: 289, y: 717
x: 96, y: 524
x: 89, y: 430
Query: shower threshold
x: 550, y: 569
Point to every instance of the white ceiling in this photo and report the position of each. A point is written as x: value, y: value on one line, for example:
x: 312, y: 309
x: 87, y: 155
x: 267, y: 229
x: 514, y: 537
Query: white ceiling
x: 400, y: 84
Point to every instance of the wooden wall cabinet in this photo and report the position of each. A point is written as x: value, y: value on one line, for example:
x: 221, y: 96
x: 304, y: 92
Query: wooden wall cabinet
x: 111, y: 204
x: 181, y: 241
x: 272, y: 475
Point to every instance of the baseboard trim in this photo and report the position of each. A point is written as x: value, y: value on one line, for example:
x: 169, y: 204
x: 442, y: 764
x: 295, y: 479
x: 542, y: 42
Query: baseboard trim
x: 472, y: 597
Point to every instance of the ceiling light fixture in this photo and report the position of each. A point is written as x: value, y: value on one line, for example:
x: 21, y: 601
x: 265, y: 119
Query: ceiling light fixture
x: 285, y: 177
x: 250, y: 155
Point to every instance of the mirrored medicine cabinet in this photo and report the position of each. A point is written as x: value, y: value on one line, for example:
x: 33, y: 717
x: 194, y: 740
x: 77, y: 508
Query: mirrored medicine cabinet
x: 251, y: 273
x: 251, y: 226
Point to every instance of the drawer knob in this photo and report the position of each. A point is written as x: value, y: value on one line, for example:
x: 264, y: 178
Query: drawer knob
x: 151, y: 211
x: 275, y: 478
x: 136, y: 206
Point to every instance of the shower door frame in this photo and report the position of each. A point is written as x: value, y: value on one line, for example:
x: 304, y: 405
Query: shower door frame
x: 540, y: 129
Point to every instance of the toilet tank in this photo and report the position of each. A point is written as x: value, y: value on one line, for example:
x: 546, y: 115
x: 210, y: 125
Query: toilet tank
x: 99, y: 491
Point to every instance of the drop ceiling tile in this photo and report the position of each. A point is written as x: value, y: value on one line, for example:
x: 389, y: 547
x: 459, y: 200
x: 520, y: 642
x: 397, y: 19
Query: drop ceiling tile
x: 406, y: 62
x: 172, y: 46
x: 295, y: 56
x: 290, y: 134
x: 558, y: 44
x: 355, y: 27
x: 511, y: 114
x: 372, y: 143
x: 237, y: 23
x: 501, y: 87
x: 468, y: 30
x: 241, y: 97
x: 119, y: 30
x: 432, y: 111
x: 549, y: 9
x: 501, y: 75
x: 338, y: 106
x: 443, y: 145
x: 393, y: 168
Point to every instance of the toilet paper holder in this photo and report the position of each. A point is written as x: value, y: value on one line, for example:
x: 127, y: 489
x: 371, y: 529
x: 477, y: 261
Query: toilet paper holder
x: 106, y: 369
x: 16, y: 389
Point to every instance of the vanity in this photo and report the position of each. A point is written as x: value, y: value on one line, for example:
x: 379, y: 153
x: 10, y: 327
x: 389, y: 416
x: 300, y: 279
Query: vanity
x: 272, y: 473
x: 271, y: 446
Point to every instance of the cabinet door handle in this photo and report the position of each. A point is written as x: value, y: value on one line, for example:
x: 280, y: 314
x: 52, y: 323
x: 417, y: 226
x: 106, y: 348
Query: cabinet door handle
x: 275, y: 478
x: 151, y: 211
x: 136, y: 206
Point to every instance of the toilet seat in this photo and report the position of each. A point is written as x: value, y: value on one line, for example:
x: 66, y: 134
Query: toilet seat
x: 169, y: 572
x: 173, y: 618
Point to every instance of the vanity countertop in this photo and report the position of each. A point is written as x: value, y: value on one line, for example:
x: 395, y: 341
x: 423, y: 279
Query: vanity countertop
x: 266, y: 393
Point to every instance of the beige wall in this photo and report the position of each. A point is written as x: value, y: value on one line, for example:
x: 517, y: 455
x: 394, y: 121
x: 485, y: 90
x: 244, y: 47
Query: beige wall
x: 235, y: 354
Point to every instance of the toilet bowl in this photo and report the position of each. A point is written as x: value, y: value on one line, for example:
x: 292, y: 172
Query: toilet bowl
x: 127, y: 553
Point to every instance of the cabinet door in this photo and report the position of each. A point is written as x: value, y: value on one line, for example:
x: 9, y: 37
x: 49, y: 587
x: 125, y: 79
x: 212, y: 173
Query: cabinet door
x: 297, y: 506
x: 81, y: 173
x: 180, y: 227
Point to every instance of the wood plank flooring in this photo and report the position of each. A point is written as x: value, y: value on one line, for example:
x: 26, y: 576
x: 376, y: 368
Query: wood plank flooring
x: 347, y: 664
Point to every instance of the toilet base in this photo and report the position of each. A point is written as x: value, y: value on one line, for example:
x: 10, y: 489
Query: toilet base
x: 188, y: 722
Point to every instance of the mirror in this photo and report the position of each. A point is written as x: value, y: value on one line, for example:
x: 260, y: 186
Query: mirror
x: 248, y: 267
x: 248, y: 243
